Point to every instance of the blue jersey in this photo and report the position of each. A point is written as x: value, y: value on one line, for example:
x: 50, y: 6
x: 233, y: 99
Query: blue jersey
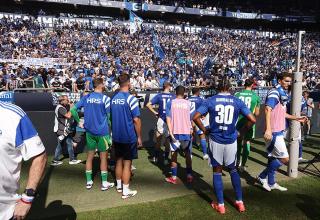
x: 161, y: 100
x: 224, y: 110
x: 196, y: 101
x: 96, y: 108
x: 124, y: 108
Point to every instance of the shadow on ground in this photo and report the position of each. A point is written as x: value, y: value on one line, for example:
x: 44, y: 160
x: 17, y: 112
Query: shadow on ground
x: 55, y: 210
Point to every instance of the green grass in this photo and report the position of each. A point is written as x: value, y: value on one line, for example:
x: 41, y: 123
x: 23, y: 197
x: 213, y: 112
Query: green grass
x: 302, y: 201
x: 62, y: 194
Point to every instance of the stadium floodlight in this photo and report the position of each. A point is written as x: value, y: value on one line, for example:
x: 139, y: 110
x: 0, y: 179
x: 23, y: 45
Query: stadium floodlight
x: 295, y: 127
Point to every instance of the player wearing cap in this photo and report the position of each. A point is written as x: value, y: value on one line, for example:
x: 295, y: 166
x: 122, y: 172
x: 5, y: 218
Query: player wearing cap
x: 126, y: 133
x: 224, y: 110
x: 252, y: 101
x: 161, y: 100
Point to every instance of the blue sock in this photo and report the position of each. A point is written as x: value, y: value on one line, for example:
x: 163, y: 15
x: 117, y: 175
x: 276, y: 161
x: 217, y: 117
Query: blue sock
x: 166, y: 155
x: 300, y: 149
x: 264, y: 173
x: 203, y: 143
x: 174, y: 171
x: 273, y: 166
x: 218, y: 187
x: 189, y: 170
x: 236, y: 183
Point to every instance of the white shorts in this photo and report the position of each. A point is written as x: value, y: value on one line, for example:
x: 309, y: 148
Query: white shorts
x: 277, y: 147
x: 162, y: 127
x: 205, y: 122
x: 222, y: 153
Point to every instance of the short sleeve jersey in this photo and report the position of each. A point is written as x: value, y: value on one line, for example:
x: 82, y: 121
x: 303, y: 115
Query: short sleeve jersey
x: 96, y: 109
x: 124, y: 108
x: 250, y: 98
x: 196, y: 101
x: 224, y: 110
x: 18, y: 140
x: 161, y: 100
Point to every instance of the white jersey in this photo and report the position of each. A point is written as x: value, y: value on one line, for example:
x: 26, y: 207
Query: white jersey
x: 18, y: 140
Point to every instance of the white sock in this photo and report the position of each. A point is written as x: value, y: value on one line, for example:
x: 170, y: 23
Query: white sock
x: 119, y: 184
x: 125, y: 189
x: 104, y: 183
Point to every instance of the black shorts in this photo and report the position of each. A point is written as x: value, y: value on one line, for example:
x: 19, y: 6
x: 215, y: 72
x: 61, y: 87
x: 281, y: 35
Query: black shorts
x: 126, y: 151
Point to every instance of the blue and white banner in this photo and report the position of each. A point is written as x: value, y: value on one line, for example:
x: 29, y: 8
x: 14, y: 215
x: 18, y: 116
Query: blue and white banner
x: 158, y: 51
x: 6, y: 97
x: 135, y: 23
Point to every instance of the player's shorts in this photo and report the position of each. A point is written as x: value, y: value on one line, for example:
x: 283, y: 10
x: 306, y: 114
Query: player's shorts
x: 102, y: 143
x: 277, y: 147
x: 205, y: 122
x: 126, y: 151
x: 251, y: 134
x: 222, y: 154
x: 183, y: 145
x: 162, y: 127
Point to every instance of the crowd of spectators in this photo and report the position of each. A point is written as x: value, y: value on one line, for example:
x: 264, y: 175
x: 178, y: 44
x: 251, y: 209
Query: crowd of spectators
x: 191, y: 59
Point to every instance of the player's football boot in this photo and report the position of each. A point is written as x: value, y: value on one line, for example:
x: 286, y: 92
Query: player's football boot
x: 89, y: 184
x: 218, y: 207
x: 171, y: 180
x: 106, y: 185
x: 239, y: 206
x: 278, y: 187
x: 264, y: 183
x: 130, y: 194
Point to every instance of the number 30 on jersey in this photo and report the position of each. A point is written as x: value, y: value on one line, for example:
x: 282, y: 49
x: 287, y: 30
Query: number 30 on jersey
x: 225, y: 115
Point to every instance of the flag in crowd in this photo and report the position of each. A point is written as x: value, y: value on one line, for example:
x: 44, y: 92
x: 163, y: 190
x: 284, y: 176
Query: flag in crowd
x: 135, y: 23
x: 209, y: 62
x: 158, y: 51
x: 280, y: 43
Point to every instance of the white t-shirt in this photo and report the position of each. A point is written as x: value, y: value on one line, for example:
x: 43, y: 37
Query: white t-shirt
x: 141, y: 81
x: 18, y: 140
